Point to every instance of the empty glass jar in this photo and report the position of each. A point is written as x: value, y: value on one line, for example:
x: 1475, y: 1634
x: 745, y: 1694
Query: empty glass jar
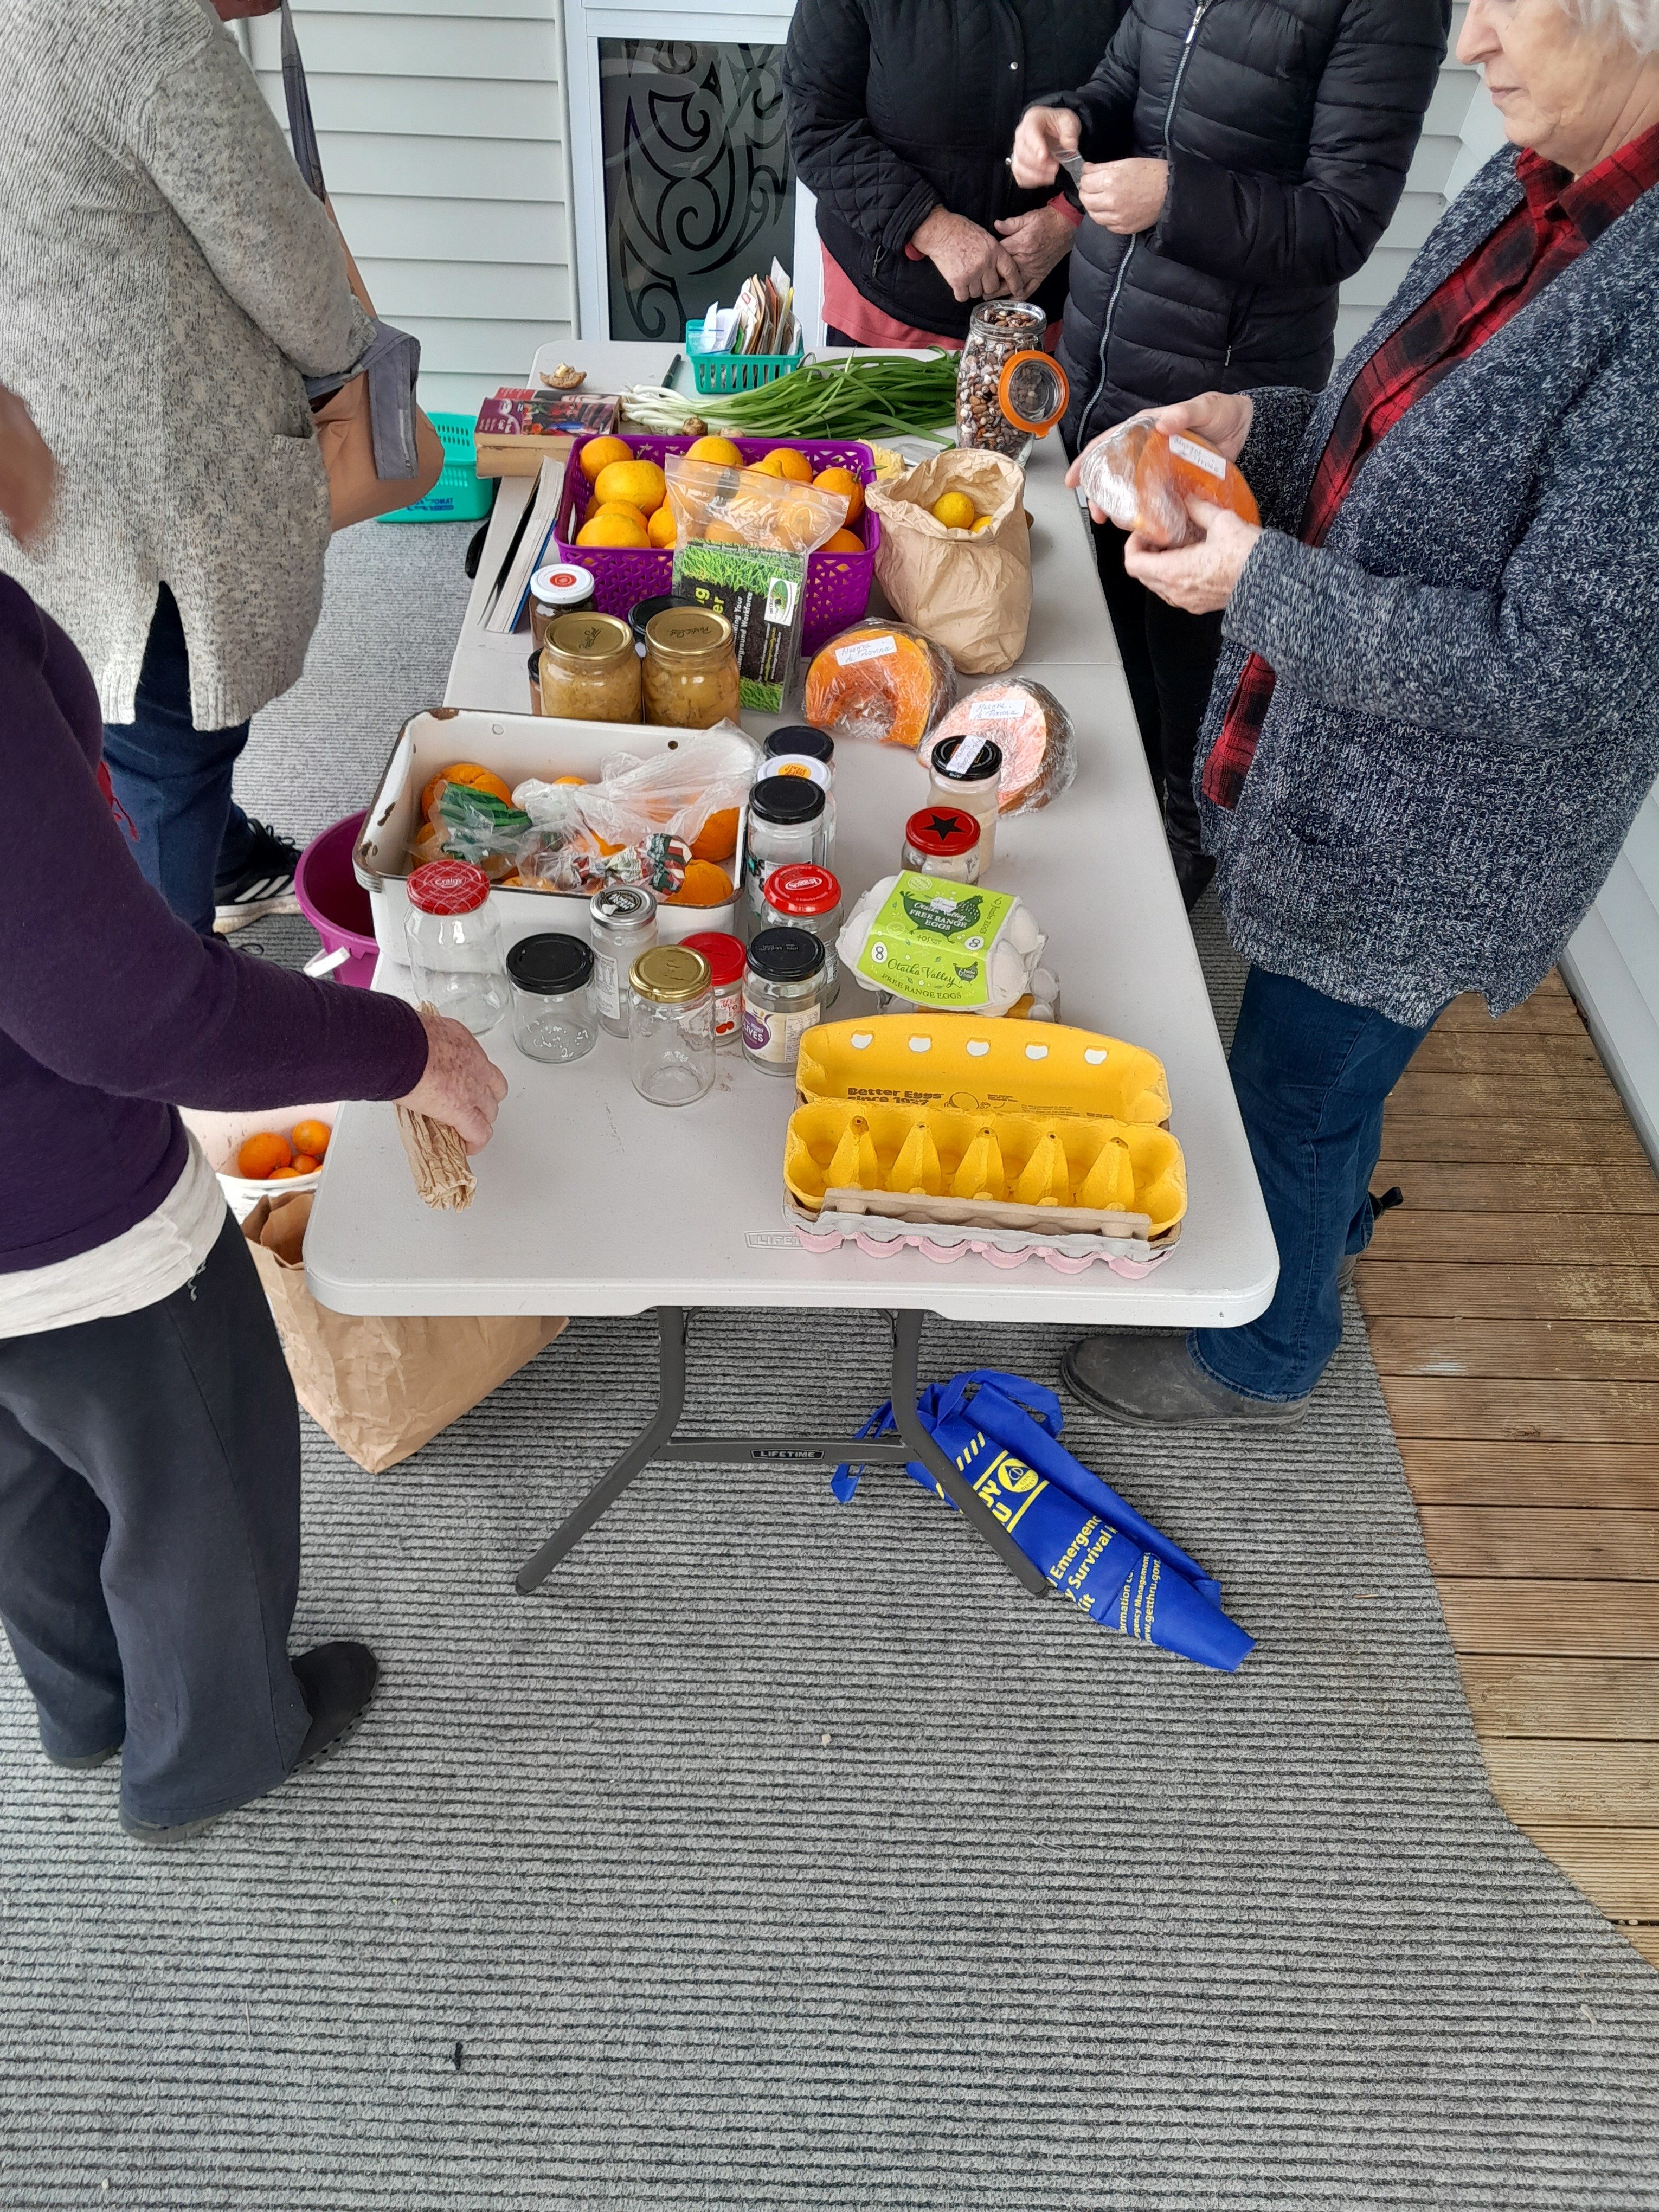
x: 454, y: 945
x: 621, y: 923
x: 671, y: 1041
x: 554, y: 1017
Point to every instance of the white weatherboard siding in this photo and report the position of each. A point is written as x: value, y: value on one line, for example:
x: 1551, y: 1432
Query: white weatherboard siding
x: 444, y: 143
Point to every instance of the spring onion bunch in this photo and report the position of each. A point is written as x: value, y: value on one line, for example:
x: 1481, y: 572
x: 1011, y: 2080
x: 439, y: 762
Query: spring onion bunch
x: 870, y: 395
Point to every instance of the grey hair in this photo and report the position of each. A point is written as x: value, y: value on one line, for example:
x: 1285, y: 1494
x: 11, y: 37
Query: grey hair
x: 1636, y: 21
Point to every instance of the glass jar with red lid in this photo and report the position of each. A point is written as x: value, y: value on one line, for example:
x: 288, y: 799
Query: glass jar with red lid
x: 454, y: 944
x: 801, y: 895
x: 944, y: 841
x: 726, y: 962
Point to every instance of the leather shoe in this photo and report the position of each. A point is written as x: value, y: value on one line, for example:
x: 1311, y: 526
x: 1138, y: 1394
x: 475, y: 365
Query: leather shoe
x: 1154, y: 1382
x: 337, y: 1681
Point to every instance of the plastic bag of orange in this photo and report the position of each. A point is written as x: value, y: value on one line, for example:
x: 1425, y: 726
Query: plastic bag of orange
x: 1143, y: 479
x: 747, y: 507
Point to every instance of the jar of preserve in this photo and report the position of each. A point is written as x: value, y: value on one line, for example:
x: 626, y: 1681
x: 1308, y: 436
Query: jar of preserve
x: 554, y: 1017
x: 536, y: 679
x: 943, y: 842
x: 690, y: 669
x: 782, y: 998
x: 726, y: 962
x: 671, y: 1037
x: 589, y: 670
x: 1009, y: 391
x: 808, y: 898
x: 621, y: 923
x: 966, y: 773
x: 454, y: 945
x: 802, y: 750
x: 561, y: 589
x: 786, y: 823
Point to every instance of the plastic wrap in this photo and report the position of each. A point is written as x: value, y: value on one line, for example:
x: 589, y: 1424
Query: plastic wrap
x: 1142, y: 480
x: 1035, y: 732
x: 881, y: 680
x: 728, y: 506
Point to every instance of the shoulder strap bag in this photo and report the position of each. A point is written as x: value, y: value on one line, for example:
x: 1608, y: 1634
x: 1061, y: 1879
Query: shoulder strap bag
x: 377, y: 447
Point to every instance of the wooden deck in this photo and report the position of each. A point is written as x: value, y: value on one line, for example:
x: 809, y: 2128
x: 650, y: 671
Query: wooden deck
x: 1513, y: 1305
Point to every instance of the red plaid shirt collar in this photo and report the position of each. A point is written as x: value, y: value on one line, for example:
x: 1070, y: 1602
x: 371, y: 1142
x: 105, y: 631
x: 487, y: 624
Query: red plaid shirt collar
x: 1559, y: 216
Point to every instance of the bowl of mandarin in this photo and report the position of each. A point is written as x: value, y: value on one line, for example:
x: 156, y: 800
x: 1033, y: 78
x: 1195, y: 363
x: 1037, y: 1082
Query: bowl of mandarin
x: 269, y: 1155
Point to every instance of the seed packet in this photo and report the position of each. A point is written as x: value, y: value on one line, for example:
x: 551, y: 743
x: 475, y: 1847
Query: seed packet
x: 762, y: 594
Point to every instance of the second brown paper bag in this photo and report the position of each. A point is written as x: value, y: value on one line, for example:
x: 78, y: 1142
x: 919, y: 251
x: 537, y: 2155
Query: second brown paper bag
x: 970, y: 594
x: 382, y: 1386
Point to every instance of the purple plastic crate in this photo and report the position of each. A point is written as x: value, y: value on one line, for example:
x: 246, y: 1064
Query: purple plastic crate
x: 837, y: 584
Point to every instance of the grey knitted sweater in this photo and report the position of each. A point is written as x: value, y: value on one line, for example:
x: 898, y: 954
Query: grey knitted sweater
x: 1466, y: 713
x: 166, y: 281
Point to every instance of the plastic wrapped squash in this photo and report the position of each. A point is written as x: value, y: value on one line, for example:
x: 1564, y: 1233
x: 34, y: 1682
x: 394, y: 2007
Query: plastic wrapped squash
x: 882, y: 680
x: 1143, y: 479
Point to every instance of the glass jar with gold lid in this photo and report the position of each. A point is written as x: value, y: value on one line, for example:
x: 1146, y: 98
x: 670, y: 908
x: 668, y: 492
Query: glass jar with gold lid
x: 671, y: 1027
x: 690, y: 669
x: 589, y: 670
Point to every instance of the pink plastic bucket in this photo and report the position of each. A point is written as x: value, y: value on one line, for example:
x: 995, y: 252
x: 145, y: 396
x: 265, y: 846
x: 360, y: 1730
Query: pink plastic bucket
x: 335, y: 903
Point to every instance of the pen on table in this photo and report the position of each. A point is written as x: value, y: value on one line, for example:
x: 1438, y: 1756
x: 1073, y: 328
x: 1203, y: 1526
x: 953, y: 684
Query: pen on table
x: 668, y: 373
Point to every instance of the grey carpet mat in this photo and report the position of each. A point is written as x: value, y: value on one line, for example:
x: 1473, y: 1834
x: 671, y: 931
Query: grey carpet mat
x: 778, y: 1854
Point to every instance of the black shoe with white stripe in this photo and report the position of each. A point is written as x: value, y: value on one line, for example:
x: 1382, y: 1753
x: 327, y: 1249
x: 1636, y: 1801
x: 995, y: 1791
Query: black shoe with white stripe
x: 263, y: 884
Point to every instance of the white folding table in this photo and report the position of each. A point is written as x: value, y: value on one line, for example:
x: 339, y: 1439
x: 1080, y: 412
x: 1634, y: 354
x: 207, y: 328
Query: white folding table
x: 592, y: 1201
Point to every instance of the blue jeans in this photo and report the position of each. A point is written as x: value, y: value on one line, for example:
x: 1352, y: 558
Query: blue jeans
x: 174, y: 780
x: 1311, y: 1076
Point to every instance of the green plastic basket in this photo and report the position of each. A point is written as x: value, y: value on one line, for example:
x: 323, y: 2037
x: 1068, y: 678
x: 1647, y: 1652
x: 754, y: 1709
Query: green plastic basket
x: 460, y: 495
x: 735, y: 372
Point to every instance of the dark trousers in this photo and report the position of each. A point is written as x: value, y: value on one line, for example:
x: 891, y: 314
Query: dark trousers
x: 1311, y: 1076
x: 174, y: 780
x: 150, y: 1540
x: 1169, y: 659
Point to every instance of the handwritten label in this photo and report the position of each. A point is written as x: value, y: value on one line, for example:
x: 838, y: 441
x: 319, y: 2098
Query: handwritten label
x: 1200, y: 456
x: 874, y: 648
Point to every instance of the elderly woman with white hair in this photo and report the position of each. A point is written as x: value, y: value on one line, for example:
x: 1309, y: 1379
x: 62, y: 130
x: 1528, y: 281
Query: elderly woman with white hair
x: 1437, y: 712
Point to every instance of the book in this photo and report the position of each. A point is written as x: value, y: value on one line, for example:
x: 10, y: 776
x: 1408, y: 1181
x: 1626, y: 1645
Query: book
x: 517, y: 412
x: 539, y: 527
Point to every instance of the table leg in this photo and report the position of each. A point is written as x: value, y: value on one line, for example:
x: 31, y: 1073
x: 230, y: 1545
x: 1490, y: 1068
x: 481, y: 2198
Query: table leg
x: 670, y: 1403
x: 907, y: 1352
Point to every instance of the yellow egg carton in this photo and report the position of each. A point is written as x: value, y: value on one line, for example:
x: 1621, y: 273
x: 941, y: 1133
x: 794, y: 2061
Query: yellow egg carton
x: 945, y: 1121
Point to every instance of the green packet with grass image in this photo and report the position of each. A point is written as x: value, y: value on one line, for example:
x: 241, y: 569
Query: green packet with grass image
x: 762, y: 594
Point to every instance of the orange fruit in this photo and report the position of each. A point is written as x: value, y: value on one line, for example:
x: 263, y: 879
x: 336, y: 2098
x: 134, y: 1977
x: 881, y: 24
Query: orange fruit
x: 570, y: 779
x: 642, y: 483
x: 303, y: 1164
x: 613, y: 529
x: 715, y: 449
x: 620, y: 507
x: 598, y: 453
x: 722, y: 533
x: 261, y: 1154
x: 842, y: 542
x: 784, y: 461
x: 843, y: 481
x: 469, y: 773
x: 705, y: 884
x: 660, y: 529
x: 717, y: 840
x: 285, y: 1175
x: 311, y: 1137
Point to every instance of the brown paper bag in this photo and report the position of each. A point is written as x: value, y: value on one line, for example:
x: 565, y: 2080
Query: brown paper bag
x: 971, y: 595
x: 381, y: 1387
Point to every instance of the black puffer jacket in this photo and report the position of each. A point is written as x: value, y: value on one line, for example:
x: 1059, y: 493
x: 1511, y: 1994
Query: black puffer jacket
x: 898, y: 106
x: 1288, y: 126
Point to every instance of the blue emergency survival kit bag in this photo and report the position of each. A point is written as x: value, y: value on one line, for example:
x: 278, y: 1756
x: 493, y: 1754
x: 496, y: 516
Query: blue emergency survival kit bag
x: 1003, y: 1432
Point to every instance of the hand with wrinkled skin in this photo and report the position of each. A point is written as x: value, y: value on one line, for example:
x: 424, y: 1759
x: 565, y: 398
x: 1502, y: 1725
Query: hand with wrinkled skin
x: 1124, y: 196
x: 1198, y: 579
x: 462, y: 1085
x: 1038, y: 242
x: 975, y: 264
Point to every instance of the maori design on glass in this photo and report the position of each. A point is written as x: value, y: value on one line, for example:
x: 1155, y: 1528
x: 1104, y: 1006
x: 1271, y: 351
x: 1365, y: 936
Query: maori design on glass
x: 699, y: 189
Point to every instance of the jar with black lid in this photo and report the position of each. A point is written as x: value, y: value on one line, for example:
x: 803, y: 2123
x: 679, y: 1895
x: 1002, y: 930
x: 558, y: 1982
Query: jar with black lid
x: 782, y: 998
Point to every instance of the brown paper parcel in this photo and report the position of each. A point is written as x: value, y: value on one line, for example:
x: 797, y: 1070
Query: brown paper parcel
x: 381, y: 1387
x: 971, y: 595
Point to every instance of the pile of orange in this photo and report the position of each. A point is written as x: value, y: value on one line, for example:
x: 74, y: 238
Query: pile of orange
x: 466, y: 772
x: 265, y: 1156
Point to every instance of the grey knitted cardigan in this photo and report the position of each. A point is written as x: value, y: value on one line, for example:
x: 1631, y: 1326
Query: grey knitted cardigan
x: 166, y: 281
x: 1466, y: 713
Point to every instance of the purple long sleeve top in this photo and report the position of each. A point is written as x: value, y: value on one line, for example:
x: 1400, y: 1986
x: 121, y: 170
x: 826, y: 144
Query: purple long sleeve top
x: 113, y: 1011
